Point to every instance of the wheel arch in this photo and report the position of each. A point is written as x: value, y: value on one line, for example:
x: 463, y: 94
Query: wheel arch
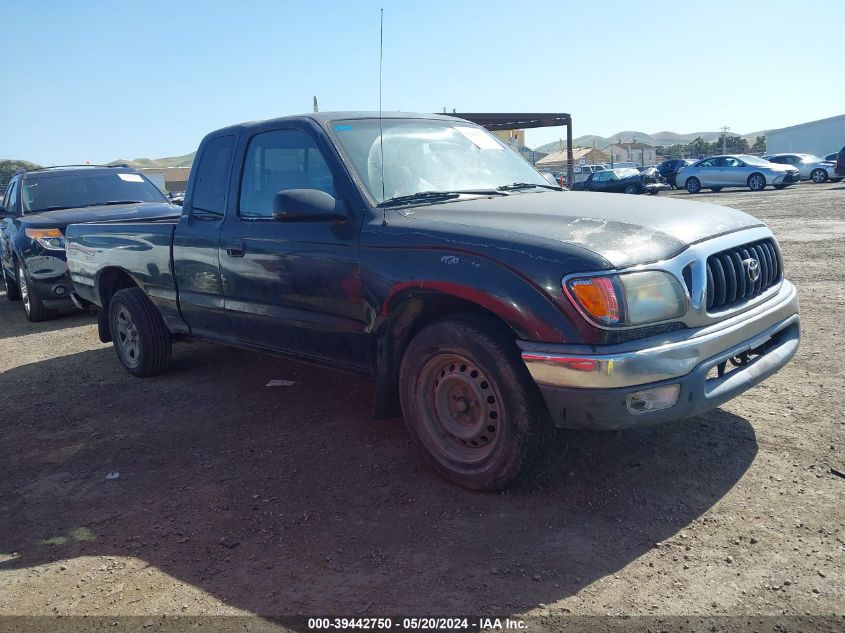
x: 408, y: 311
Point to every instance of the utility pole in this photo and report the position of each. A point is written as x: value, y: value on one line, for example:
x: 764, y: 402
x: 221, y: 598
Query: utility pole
x: 316, y: 107
x: 725, y: 130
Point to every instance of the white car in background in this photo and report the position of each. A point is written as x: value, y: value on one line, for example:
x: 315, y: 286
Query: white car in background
x: 810, y: 166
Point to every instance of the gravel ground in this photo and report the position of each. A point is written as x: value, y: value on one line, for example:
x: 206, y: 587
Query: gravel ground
x: 236, y: 498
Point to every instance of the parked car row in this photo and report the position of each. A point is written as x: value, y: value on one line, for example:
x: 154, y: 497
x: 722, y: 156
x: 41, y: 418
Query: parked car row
x: 488, y: 305
x: 756, y: 173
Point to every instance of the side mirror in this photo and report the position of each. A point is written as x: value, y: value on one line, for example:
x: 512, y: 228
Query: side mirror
x: 550, y: 177
x: 308, y: 205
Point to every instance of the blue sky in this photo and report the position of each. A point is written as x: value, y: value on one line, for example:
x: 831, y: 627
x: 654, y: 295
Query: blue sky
x: 96, y: 81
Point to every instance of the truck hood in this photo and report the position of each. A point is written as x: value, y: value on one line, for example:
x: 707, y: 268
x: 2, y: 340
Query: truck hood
x: 138, y: 211
x: 625, y: 230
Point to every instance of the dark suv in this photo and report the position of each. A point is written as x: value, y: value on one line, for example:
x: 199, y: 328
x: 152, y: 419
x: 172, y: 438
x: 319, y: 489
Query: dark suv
x: 840, y: 163
x: 37, y: 207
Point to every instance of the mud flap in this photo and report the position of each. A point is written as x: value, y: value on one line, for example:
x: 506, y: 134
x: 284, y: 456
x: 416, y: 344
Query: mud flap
x: 103, y: 329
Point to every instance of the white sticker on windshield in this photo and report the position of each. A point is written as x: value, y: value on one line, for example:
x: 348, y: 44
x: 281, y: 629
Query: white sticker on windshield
x: 480, y: 138
x: 130, y: 177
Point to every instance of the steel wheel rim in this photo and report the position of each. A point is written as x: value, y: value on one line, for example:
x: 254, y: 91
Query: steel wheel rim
x: 127, y: 336
x: 462, y: 409
x: 24, y: 290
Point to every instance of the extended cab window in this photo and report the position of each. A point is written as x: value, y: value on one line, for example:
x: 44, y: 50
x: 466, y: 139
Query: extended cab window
x: 278, y: 161
x: 212, y: 187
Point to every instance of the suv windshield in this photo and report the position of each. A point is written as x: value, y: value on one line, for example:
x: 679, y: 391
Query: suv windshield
x: 78, y: 189
x: 425, y: 155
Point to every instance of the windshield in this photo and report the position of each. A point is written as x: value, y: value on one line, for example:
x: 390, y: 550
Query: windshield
x: 754, y: 160
x: 424, y: 155
x: 77, y: 189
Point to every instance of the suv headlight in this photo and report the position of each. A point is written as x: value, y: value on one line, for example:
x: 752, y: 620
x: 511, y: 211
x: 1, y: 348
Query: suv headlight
x: 51, y: 239
x: 628, y: 299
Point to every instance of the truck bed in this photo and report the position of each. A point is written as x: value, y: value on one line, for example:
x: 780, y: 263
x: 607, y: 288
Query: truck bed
x: 142, y: 250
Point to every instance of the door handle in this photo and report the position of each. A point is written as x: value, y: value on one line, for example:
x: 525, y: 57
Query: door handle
x: 236, y: 249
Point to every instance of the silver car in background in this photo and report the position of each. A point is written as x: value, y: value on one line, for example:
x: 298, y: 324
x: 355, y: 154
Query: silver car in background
x: 735, y: 170
x: 810, y: 166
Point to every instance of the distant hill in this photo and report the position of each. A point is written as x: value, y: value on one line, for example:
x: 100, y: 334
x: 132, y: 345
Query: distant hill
x: 9, y: 167
x: 657, y: 138
x: 147, y: 163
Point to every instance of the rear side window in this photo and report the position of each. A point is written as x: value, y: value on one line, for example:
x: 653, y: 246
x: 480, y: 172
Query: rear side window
x: 212, y: 187
x: 278, y: 161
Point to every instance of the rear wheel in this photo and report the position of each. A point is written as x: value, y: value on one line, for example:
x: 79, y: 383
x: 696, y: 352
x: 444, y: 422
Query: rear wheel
x: 756, y: 182
x: 33, y: 307
x: 693, y: 185
x: 818, y: 176
x: 140, y: 338
x: 469, y: 403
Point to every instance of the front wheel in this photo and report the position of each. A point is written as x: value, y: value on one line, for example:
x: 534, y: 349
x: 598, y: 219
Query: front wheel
x: 756, y: 182
x: 469, y: 403
x: 33, y: 307
x: 818, y: 176
x: 693, y: 185
x: 140, y: 338
x: 632, y: 189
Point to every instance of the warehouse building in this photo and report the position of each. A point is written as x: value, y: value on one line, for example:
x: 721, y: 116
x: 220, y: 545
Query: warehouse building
x: 816, y: 137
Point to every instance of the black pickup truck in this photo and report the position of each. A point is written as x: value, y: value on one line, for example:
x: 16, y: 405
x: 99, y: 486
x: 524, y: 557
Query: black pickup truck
x: 489, y: 305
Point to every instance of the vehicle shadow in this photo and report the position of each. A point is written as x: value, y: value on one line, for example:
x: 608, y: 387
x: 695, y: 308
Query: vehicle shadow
x: 13, y: 321
x: 291, y: 500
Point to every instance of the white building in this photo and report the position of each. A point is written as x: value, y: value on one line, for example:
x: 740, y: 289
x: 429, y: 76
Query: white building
x: 816, y: 137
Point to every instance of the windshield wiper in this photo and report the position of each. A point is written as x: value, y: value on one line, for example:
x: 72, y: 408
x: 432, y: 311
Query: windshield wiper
x: 103, y: 204
x: 435, y: 196
x: 56, y: 208
x: 526, y: 185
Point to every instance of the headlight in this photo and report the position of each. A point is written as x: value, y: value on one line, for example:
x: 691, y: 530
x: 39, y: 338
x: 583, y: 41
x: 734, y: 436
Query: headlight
x: 51, y: 239
x: 629, y: 299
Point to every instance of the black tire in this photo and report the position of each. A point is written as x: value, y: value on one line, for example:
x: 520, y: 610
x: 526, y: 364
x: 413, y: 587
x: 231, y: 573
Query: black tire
x: 140, y: 338
x: 33, y: 307
x: 632, y: 189
x: 715, y: 189
x: 818, y: 176
x: 13, y: 293
x: 779, y: 186
x: 692, y: 185
x: 756, y: 181
x: 470, y: 405
x: 835, y: 179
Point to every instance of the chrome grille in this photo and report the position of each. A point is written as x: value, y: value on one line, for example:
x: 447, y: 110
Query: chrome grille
x: 728, y: 278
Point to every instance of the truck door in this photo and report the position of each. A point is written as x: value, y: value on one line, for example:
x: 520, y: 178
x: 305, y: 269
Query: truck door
x: 196, y: 259
x: 291, y: 286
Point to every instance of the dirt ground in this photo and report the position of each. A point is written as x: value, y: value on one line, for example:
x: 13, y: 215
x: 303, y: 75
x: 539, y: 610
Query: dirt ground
x: 237, y: 498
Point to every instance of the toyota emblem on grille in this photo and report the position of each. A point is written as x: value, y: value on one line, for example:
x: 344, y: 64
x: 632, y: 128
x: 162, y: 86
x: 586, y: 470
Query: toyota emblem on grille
x: 752, y: 269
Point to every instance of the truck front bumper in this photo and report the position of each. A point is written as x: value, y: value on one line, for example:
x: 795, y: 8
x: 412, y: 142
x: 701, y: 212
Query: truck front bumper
x: 669, y: 377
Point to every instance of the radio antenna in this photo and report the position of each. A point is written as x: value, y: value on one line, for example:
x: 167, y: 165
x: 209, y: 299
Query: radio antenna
x: 380, y: 128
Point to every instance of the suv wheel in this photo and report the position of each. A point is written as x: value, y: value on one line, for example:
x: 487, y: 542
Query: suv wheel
x: 140, y: 338
x: 469, y: 403
x: 34, y: 309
